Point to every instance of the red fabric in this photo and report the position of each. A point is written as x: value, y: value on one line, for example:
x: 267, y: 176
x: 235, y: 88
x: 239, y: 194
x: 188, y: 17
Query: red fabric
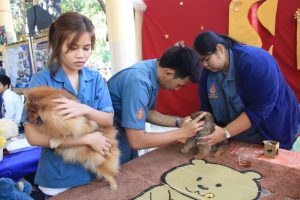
x: 179, y: 22
x: 166, y: 22
x: 284, y: 42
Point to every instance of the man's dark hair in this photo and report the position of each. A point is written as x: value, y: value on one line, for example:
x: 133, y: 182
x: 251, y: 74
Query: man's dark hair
x: 4, y: 80
x: 184, y: 60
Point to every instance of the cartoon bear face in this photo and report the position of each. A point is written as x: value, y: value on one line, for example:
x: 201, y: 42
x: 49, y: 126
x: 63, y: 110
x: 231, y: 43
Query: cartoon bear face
x: 203, y: 180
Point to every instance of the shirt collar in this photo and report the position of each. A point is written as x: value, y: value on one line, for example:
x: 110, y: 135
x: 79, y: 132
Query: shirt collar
x: 61, y: 76
x: 153, y: 71
x: 230, y: 76
x: 84, y: 77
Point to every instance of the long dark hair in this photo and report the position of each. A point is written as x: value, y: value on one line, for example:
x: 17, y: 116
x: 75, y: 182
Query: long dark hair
x: 65, y: 25
x: 205, y: 43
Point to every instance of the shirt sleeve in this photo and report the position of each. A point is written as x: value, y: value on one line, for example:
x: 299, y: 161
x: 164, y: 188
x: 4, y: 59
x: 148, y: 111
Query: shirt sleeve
x: 259, y: 83
x: 135, y: 98
x: 9, y: 109
x: 103, y: 99
x: 37, y: 80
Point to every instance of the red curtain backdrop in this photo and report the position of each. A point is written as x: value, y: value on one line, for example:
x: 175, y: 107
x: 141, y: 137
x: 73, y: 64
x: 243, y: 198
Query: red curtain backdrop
x: 285, y: 42
x: 168, y: 21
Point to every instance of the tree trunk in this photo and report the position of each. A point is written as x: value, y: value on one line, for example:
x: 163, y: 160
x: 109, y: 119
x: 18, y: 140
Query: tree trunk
x: 23, y: 17
x: 102, y: 4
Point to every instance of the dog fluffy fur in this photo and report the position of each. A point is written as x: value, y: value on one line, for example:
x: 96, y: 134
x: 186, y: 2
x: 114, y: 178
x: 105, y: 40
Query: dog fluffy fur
x: 208, y: 128
x: 39, y: 105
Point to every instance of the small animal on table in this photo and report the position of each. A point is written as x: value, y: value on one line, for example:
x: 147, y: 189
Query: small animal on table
x: 208, y: 128
x: 41, y: 113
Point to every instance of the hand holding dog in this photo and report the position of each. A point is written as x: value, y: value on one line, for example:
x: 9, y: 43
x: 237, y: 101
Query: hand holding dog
x: 216, y: 137
x: 69, y: 108
x: 191, y: 127
x: 98, y: 142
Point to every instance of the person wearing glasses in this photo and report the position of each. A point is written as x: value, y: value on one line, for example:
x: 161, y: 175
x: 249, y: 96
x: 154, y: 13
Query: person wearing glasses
x: 244, y: 89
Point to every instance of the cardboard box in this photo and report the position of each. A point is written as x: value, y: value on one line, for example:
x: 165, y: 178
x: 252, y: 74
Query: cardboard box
x: 271, y: 148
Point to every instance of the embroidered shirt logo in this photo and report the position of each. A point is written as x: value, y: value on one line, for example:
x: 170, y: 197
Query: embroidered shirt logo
x: 139, y: 114
x: 213, y: 94
x: 212, y: 88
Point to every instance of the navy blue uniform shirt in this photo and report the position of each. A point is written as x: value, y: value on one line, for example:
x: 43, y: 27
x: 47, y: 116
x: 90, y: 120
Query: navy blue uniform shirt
x: 268, y: 100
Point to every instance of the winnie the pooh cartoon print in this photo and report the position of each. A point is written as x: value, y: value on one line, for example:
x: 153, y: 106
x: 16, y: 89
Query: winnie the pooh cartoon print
x: 202, y: 180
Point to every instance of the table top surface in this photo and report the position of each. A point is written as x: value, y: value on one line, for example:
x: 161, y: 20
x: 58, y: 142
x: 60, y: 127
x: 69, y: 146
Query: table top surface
x: 280, y: 176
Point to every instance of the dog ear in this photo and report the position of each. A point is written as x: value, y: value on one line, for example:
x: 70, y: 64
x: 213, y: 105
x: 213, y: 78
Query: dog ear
x: 195, y: 114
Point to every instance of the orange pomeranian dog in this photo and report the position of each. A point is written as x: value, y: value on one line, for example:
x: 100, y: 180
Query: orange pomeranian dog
x: 41, y: 113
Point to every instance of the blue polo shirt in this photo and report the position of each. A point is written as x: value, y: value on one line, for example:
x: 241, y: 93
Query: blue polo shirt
x: 225, y: 103
x: 268, y: 100
x: 52, y: 171
x: 133, y: 92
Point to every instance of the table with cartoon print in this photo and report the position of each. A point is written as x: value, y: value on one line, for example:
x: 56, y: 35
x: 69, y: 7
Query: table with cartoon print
x: 280, y: 176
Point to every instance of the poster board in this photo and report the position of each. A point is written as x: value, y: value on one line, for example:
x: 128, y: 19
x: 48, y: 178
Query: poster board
x: 40, y: 52
x: 17, y: 59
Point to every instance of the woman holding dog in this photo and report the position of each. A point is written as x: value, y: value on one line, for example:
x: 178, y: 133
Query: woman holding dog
x: 243, y: 87
x: 71, y: 39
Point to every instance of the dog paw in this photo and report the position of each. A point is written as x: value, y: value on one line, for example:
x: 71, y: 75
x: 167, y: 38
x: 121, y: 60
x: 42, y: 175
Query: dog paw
x: 113, y: 186
x: 54, y: 143
x: 199, y: 156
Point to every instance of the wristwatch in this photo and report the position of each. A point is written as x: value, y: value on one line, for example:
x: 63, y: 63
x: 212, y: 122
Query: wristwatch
x: 227, y: 134
x: 178, y: 122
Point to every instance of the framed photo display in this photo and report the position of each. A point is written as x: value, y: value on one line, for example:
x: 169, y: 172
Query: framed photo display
x: 17, y: 59
x: 40, y: 53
